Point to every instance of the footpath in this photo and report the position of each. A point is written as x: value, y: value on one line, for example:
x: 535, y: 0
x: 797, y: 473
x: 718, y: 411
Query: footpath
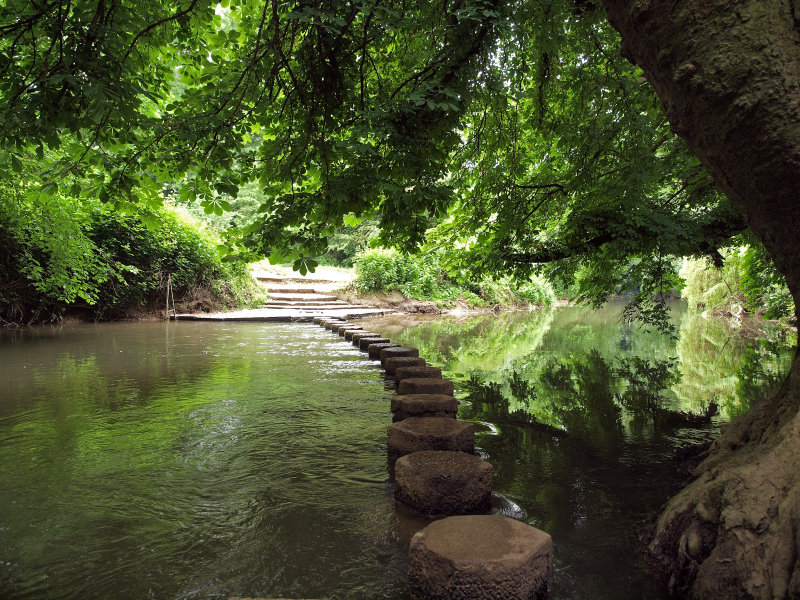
x: 293, y: 299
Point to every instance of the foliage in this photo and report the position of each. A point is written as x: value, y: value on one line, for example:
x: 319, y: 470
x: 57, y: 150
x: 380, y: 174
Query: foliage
x: 48, y: 261
x: 421, y: 277
x: 746, y: 282
x: 60, y: 252
x: 522, y: 118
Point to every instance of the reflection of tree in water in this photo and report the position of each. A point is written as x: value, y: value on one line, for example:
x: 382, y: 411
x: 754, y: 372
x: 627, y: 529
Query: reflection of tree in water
x: 574, y: 370
x: 759, y: 373
x: 587, y: 394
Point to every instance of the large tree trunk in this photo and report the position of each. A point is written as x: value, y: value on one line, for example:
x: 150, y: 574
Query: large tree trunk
x: 728, y: 75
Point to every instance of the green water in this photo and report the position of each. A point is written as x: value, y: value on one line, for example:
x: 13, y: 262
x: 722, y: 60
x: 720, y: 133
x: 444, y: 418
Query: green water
x: 582, y: 418
x: 201, y: 460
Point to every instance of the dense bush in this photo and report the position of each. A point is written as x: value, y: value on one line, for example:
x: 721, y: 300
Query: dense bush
x: 420, y: 277
x: 747, y: 282
x: 60, y: 253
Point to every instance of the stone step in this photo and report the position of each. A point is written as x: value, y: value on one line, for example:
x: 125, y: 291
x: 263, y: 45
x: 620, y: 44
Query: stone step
x: 300, y: 297
x: 307, y: 303
x: 292, y: 290
x: 480, y: 557
x: 268, y: 279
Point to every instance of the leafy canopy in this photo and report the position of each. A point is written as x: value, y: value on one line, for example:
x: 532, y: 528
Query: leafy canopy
x: 517, y: 116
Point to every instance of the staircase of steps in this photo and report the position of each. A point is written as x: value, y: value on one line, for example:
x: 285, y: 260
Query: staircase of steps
x: 310, y: 298
x: 293, y: 299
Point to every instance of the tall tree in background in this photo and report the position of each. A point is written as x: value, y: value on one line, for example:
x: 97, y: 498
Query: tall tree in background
x: 519, y: 116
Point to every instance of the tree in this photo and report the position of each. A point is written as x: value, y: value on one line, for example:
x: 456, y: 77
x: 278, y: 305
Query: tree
x: 727, y: 73
x: 518, y: 114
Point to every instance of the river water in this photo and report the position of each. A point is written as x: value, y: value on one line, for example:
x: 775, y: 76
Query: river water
x: 209, y: 460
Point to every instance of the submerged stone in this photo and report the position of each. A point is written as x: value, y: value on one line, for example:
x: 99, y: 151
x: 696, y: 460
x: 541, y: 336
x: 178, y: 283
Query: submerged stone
x: 374, y: 348
x: 423, y: 405
x: 364, y: 343
x: 408, y: 372
x: 398, y: 351
x: 432, y: 433
x: 439, y: 483
x: 390, y: 365
x: 425, y: 385
x: 479, y: 557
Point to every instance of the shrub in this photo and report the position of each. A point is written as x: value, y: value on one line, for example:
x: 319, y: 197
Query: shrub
x: 421, y: 277
x: 60, y: 252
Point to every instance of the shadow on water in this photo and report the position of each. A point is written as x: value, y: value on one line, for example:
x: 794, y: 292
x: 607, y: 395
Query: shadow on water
x: 582, y: 418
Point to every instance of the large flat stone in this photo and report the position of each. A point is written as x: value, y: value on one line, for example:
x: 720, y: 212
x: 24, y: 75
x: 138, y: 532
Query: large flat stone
x: 390, y: 365
x: 339, y: 326
x: 425, y: 385
x: 438, y: 483
x: 431, y: 433
x: 408, y: 372
x: 374, y: 348
x: 330, y: 323
x: 344, y: 329
x: 423, y: 405
x: 356, y: 334
x: 398, y: 351
x: 479, y: 557
x: 364, y: 342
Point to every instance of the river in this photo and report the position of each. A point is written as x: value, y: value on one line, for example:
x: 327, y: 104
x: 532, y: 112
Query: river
x: 209, y: 460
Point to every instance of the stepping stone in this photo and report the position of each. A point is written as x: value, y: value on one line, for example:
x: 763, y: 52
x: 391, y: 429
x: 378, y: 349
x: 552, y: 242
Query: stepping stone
x: 391, y: 364
x: 338, y: 326
x: 374, y: 348
x: 364, y: 343
x: 344, y: 329
x: 431, y: 433
x: 425, y: 385
x: 439, y: 483
x: 423, y: 405
x: 331, y: 324
x: 479, y: 557
x: 349, y: 333
x: 401, y: 373
x: 357, y: 335
x: 399, y: 351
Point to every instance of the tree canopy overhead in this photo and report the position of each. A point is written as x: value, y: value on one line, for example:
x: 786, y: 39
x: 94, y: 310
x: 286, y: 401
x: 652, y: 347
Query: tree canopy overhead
x: 520, y: 117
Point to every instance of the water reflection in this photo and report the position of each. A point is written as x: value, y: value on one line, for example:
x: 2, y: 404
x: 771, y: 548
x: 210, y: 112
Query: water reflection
x: 578, y: 370
x: 581, y: 417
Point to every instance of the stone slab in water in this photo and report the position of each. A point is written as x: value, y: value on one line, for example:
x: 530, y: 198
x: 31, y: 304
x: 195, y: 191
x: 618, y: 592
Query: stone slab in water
x: 439, y: 483
x: 398, y: 351
x: 425, y: 385
x: 432, y: 433
x: 364, y: 343
x: 330, y: 324
x: 338, y: 327
x: 357, y: 335
x: 479, y: 557
x: 407, y: 372
x: 349, y: 333
x: 423, y: 405
x: 391, y: 364
x: 344, y: 329
x: 374, y: 348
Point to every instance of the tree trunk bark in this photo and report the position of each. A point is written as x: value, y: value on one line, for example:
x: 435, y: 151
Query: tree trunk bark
x: 728, y: 76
